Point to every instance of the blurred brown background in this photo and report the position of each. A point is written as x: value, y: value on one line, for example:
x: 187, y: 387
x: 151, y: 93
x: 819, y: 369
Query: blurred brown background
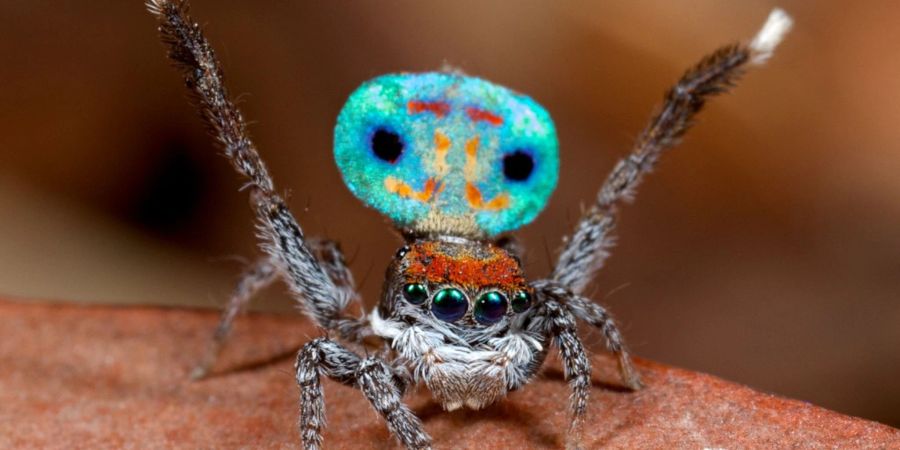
x: 764, y: 250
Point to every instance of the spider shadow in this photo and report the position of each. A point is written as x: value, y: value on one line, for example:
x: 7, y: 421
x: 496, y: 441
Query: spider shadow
x: 631, y: 419
x: 262, y: 362
x: 557, y: 374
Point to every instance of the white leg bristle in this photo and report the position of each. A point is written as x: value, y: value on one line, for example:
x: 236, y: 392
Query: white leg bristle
x: 771, y: 34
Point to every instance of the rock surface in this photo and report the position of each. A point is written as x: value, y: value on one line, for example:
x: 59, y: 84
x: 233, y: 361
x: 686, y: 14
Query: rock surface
x: 105, y: 377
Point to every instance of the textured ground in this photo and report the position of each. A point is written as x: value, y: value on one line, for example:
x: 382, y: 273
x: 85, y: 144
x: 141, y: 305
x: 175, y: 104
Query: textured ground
x: 100, y: 377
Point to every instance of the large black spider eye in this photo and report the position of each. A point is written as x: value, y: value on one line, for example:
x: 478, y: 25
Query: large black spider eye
x: 521, y: 301
x: 490, y: 307
x: 387, y: 145
x: 518, y: 165
x: 449, y: 305
x: 415, y: 293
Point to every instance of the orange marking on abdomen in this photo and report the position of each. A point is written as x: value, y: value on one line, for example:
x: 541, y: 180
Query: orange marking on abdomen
x: 471, y: 159
x: 473, y: 195
x: 441, y: 142
x: 441, y: 147
x: 499, y: 202
x: 426, y: 193
x: 480, y: 115
x: 439, y: 109
x: 476, y: 199
x: 472, y: 147
x: 406, y: 191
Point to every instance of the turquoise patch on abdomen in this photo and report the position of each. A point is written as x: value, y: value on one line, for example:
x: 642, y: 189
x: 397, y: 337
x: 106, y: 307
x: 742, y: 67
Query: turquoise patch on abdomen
x: 441, y: 153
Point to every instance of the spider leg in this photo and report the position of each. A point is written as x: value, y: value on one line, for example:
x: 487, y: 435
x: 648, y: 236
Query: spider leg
x: 382, y: 386
x: 256, y: 277
x: 281, y: 235
x: 597, y: 316
x: 334, y: 263
x: 560, y: 324
x: 332, y: 259
x: 585, y: 251
x: 260, y: 275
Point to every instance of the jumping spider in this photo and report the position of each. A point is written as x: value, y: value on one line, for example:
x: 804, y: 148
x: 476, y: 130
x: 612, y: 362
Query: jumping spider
x: 455, y: 162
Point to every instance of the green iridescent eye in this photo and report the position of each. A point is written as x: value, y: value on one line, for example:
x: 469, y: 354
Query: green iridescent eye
x: 415, y: 293
x: 521, y: 301
x: 490, y: 307
x: 449, y: 305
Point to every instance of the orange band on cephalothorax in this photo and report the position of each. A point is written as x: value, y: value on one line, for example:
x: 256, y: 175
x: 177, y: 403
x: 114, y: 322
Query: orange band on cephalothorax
x: 439, y: 109
x: 497, y: 269
x: 480, y: 115
x: 404, y: 190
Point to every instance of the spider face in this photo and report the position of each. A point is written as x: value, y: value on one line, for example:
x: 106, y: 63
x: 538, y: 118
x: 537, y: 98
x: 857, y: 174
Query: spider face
x: 441, y: 153
x: 462, y: 283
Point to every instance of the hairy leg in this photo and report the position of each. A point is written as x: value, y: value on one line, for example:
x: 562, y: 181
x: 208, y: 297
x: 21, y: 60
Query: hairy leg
x: 333, y: 261
x: 282, y: 237
x: 559, y: 324
x: 381, y: 385
x: 256, y: 277
x: 260, y: 275
x: 585, y: 251
x: 594, y: 314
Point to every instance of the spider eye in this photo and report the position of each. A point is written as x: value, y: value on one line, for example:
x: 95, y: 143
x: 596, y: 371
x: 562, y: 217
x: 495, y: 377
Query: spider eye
x: 402, y: 252
x: 518, y: 165
x: 386, y: 145
x: 521, y: 301
x: 449, y: 305
x: 415, y: 293
x: 490, y: 307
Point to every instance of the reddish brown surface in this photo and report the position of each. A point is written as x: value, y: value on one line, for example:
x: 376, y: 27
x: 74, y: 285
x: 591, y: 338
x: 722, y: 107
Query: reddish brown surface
x: 99, y: 377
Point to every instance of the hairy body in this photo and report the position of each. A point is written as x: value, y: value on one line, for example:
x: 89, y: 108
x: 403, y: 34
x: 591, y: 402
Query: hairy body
x: 455, y: 161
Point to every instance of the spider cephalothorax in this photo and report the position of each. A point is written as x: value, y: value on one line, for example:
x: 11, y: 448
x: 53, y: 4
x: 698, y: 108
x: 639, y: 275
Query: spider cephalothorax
x: 445, y: 298
x: 454, y: 161
x: 461, y: 282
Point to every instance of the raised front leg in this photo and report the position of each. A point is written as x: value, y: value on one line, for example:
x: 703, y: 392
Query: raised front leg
x: 282, y: 237
x: 585, y: 251
x: 382, y: 386
x: 334, y: 262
